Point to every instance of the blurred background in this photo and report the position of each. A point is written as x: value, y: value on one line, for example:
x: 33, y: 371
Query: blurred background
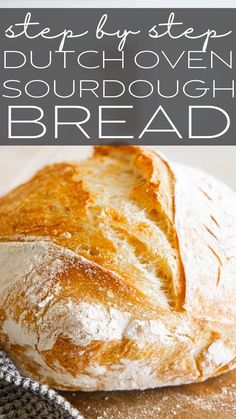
x: 18, y: 163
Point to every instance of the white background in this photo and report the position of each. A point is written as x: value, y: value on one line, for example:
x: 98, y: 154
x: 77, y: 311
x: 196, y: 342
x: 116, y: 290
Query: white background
x: 116, y: 3
x: 18, y: 163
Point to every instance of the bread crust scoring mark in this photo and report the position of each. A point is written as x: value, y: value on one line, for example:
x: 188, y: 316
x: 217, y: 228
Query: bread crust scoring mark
x: 154, y: 192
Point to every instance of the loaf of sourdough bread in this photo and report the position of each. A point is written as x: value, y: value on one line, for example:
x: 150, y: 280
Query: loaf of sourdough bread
x: 119, y: 272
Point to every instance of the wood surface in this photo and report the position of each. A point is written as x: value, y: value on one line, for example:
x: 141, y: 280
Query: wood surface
x: 215, y: 398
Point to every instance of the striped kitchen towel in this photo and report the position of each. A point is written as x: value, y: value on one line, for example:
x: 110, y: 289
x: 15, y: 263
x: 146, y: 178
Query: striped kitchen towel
x: 23, y: 398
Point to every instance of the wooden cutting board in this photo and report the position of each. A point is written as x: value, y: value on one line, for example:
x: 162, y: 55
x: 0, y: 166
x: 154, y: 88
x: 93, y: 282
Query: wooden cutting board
x: 215, y: 398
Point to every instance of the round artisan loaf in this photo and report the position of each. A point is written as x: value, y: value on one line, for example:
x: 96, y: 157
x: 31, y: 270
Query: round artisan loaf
x: 119, y: 272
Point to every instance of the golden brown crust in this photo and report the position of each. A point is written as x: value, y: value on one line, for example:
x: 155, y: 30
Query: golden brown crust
x: 119, y: 272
